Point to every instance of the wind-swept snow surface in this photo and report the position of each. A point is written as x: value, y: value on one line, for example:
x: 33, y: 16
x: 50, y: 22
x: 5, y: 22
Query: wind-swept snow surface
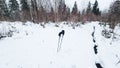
x: 33, y: 46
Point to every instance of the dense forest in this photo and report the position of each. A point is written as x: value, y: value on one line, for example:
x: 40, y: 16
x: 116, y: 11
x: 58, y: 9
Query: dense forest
x: 56, y: 11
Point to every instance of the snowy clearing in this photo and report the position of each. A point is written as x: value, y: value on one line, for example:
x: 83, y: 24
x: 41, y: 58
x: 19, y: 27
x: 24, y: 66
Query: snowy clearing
x: 33, y: 46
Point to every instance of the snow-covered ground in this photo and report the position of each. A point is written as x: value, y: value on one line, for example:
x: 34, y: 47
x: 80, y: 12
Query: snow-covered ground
x: 33, y: 46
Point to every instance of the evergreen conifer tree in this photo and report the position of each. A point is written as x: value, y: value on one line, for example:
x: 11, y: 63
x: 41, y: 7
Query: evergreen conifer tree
x: 89, y: 8
x: 14, y: 9
x: 95, y: 9
x: 75, y: 9
x: 24, y: 5
x: 3, y: 9
x: 74, y: 13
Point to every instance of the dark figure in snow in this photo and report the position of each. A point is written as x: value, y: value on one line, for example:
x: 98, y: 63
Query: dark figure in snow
x: 94, y: 40
x: 1, y: 36
x: 61, y: 34
x: 93, y: 31
x: 94, y: 27
x: 93, y: 34
x: 95, y: 49
x: 98, y: 65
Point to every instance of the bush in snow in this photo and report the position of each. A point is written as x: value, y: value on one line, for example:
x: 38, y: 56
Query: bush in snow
x: 56, y: 25
x: 2, y: 36
x: 6, y: 34
x: 106, y: 33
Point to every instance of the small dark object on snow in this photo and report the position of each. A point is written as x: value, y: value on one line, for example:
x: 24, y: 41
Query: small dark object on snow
x: 95, y: 49
x: 93, y: 31
x: 2, y: 37
x: 61, y: 33
x: 98, y: 65
x: 92, y: 34
x: 94, y: 40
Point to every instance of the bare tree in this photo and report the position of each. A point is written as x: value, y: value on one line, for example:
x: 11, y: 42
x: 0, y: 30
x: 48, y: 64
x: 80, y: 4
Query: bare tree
x: 34, y: 11
x: 25, y: 11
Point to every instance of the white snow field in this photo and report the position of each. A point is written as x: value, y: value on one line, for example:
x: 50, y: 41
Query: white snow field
x: 33, y: 46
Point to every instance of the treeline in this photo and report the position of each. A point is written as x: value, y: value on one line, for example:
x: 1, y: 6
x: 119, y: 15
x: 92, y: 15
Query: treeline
x: 113, y: 15
x: 30, y: 11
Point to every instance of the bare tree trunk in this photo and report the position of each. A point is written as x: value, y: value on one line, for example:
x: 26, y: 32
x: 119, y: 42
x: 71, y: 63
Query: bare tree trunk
x: 34, y: 11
